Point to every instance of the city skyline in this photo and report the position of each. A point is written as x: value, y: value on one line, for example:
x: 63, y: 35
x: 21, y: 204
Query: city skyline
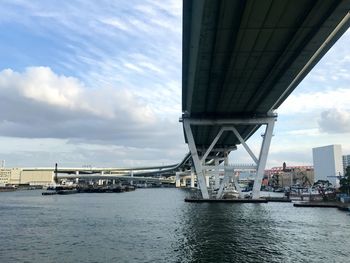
x: 100, y: 84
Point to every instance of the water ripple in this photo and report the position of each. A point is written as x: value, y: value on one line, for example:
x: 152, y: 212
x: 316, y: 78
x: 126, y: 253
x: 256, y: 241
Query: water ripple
x: 155, y: 225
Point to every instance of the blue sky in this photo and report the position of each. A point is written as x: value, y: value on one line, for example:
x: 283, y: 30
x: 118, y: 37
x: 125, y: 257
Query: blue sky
x: 99, y: 83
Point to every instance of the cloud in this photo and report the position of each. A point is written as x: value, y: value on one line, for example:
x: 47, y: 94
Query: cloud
x: 38, y: 103
x: 335, y: 121
x: 115, y: 23
x: 315, y: 101
x: 46, y: 152
x: 326, y: 86
x: 99, y: 43
x: 112, y: 79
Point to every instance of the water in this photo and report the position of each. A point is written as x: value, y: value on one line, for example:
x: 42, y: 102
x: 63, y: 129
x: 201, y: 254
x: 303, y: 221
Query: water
x: 156, y: 225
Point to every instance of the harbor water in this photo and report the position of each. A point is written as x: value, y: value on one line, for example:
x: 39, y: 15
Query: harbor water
x: 156, y: 225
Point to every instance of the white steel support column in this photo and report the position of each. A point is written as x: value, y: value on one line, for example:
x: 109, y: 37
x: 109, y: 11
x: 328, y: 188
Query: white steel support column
x: 204, y: 170
x: 131, y: 175
x: 192, y: 178
x: 217, y: 175
x: 196, y: 161
x: 207, y: 180
x: 238, y: 188
x: 77, y: 178
x: 227, y: 176
x: 265, y: 146
x: 177, y: 179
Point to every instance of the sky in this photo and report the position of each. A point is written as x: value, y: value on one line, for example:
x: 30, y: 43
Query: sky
x: 99, y: 83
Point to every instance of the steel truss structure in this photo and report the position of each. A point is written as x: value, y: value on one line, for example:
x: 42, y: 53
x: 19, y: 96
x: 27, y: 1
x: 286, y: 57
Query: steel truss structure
x: 205, y: 170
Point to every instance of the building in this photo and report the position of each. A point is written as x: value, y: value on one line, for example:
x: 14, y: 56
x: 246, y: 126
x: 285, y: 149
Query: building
x: 346, y: 162
x: 17, y: 176
x: 5, y: 175
x: 290, y: 175
x: 328, y: 163
x: 36, y: 177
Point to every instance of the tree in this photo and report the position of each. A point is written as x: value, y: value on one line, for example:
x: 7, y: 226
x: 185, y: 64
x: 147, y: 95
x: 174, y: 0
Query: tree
x: 275, y: 180
x: 322, y: 187
x: 345, y: 182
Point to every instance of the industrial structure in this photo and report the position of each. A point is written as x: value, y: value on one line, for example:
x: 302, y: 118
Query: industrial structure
x: 328, y: 163
x: 241, y: 60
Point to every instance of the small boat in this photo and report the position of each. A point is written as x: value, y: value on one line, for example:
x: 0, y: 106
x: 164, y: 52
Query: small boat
x: 8, y: 188
x: 66, y: 192
x: 230, y: 193
x: 49, y: 193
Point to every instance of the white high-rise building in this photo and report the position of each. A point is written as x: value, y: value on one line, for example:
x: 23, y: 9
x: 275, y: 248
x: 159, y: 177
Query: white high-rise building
x: 328, y: 163
x: 346, y: 162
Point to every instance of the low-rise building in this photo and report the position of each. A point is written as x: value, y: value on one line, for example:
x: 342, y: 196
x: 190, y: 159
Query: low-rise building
x: 17, y: 176
x: 290, y: 175
x: 36, y: 177
x: 5, y: 175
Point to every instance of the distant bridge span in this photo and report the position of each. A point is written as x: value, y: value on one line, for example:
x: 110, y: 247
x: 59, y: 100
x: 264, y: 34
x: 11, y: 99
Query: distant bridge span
x: 241, y: 60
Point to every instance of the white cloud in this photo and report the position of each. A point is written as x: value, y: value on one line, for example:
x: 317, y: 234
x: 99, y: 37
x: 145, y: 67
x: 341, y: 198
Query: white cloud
x: 39, y: 104
x: 112, y: 79
x: 304, y: 132
x: 115, y: 22
x: 42, y: 85
x: 19, y: 152
x: 316, y: 101
x: 335, y: 121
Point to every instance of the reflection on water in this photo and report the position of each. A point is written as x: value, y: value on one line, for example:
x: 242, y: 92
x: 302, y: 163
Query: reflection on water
x: 155, y: 225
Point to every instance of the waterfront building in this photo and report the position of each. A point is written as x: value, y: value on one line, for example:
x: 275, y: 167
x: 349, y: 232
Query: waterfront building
x: 346, y: 162
x: 328, y: 163
x: 37, y: 177
x: 31, y: 176
x: 15, y: 176
x: 291, y: 175
x: 5, y: 175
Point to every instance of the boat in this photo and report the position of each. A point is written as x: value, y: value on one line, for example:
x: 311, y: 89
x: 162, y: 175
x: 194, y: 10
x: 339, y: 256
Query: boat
x: 8, y: 188
x: 230, y: 192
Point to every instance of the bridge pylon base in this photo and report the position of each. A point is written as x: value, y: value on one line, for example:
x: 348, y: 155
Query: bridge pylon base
x: 220, y: 166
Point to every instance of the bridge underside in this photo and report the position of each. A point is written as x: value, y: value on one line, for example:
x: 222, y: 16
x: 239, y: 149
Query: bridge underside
x: 242, y: 59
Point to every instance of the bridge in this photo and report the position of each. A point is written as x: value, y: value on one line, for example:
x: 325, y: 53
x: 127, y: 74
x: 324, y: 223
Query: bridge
x: 241, y: 60
x: 154, y: 174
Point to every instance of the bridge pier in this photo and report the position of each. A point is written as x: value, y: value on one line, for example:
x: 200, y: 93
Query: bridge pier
x: 204, y: 171
x: 192, y: 177
x: 196, y: 161
x: 132, y: 175
x: 265, y: 147
x: 177, y: 179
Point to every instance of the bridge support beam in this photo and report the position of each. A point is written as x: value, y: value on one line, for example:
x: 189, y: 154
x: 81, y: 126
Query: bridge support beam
x: 177, y: 180
x: 204, y: 171
x: 192, y: 177
x: 196, y: 161
x: 225, y: 181
x: 265, y: 146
